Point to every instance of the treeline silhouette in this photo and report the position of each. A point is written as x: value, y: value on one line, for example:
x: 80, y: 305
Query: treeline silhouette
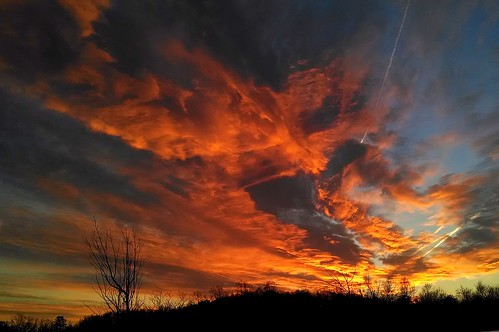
x: 246, y: 307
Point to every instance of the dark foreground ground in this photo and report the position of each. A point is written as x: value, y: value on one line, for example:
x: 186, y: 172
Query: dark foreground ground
x: 305, y: 312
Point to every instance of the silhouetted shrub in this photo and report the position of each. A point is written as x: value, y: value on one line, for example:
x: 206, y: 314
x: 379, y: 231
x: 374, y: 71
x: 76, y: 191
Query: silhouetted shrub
x: 24, y: 323
x: 434, y: 295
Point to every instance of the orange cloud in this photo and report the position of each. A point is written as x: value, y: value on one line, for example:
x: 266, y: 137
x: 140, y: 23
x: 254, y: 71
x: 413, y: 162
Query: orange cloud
x: 243, y: 134
x: 85, y: 12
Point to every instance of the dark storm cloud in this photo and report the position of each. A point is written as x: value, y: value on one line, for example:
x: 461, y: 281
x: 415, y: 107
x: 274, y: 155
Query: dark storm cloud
x: 291, y: 200
x: 37, y: 38
x: 38, y: 143
x: 257, y: 41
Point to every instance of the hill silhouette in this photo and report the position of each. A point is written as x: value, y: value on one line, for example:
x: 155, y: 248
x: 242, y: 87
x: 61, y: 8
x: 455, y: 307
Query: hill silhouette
x: 269, y: 308
x: 258, y: 310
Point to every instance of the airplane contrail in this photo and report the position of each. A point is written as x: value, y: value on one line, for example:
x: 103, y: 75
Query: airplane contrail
x: 438, y: 229
x: 387, y: 71
x: 363, y: 138
x: 443, y: 240
x: 393, y: 53
x: 424, y: 246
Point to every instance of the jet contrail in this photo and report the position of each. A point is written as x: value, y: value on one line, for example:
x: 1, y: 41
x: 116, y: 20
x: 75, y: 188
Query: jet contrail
x: 438, y: 229
x: 424, y: 246
x: 363, y: 138
x: 441, y: 241
x: 390, y: 62
x: 393, y: 52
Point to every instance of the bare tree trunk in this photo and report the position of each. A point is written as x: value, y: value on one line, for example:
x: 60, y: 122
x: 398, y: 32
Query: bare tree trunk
x: 118, y: 266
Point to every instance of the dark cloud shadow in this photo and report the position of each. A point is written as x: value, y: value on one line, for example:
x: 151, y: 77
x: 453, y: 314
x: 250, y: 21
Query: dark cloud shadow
x: 37, y: 143
x: 291, y: 200
x: 260, y: 42
x: 37, y: 38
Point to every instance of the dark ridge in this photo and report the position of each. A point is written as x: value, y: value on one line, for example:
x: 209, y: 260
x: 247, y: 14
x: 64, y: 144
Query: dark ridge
x: 259, y: 310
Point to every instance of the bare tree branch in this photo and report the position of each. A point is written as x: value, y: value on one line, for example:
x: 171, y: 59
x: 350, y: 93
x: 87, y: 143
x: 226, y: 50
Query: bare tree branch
x: 118, y: 268
x: 342, y: 281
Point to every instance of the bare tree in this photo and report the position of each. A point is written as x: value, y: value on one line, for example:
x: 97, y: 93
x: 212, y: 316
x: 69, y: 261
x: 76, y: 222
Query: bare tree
x: 118, y: 265
x: 200, y: 297
x: 164, y: 300
x: 218, y: 292
x: 342, y: 281
x: 368, y: 284
x: 387, y: 289
x: 406, y: 289
x: 242, y: 287
x: 267, y: 287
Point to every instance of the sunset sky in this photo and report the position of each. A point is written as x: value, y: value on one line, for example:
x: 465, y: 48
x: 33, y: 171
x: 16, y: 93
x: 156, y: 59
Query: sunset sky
x: 247, y: 141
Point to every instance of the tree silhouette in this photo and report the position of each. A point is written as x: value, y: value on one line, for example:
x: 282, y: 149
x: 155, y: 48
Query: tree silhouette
x: 481, y: 293
x: 60, y: 323
x: 118, y: 265
x: 266, y: 305
x: 24, y: 323
x: 342, y: 281
x: 242, y: 287
x: 406, y: 290
x: 429, y: 294
x: 218, y: 292
x: 164, y: 300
